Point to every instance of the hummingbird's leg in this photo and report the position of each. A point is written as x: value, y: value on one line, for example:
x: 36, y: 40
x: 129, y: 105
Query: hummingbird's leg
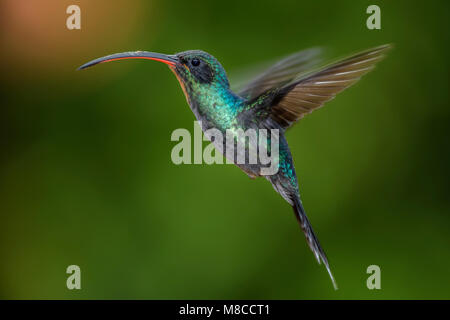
x: 251, y: 176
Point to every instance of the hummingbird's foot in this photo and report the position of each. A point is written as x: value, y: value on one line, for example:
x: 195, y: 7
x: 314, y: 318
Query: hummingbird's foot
x: 251, y: 176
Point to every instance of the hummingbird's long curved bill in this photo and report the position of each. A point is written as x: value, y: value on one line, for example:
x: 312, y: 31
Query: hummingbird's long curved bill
x: 170, y: 60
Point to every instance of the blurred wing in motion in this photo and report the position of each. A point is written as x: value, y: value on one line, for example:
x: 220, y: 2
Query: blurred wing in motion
x: 305, y: 94
x: 280, y: 73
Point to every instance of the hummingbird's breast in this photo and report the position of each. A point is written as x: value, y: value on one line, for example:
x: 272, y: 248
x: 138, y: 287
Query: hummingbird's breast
x: 215, y: 107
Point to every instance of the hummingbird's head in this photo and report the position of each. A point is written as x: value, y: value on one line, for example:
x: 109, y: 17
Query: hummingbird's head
x: 196, y: 68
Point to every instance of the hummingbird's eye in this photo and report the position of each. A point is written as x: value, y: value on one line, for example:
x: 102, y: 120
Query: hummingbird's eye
x: 195, y: 62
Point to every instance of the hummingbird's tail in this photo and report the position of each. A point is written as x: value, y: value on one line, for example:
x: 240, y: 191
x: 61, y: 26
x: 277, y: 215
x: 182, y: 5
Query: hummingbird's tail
x: 311, y: 238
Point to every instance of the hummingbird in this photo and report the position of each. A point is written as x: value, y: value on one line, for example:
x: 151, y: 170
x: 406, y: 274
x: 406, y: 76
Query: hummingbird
x: 275, y: 99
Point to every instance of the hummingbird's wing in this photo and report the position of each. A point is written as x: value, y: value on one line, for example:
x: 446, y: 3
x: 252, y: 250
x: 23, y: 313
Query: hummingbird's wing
x: 308, y: 92
x: 278, y: 74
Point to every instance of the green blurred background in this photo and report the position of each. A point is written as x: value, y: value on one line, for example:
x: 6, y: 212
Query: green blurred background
x: 86, y: 176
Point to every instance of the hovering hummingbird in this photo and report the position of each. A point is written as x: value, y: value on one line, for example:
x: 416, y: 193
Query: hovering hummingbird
x: 275, y: 99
